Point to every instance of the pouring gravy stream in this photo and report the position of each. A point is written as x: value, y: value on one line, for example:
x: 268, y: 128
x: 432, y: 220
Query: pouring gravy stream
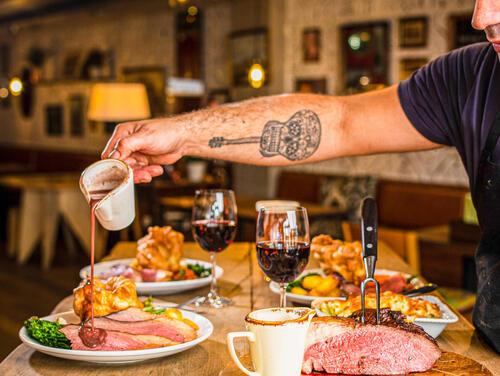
x: 89, y: 335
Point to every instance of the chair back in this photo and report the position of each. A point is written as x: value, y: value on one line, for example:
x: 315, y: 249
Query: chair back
x: 403, y: 242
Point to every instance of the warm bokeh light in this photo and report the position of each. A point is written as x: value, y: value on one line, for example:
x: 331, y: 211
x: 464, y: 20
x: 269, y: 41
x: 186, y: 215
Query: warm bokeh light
x: 354, y: 42
x: 192, y: 10
x: 256, y: 76
x: 364, y: 80
x: 365, y: 36
x: 4, y: 92
x: 16, y: 86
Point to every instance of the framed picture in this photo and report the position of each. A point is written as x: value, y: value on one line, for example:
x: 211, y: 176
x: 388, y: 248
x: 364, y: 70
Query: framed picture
x: 76, y: 115
x: 155, y: 79
x: 311, y: 44
x: 413, y: 32
x: 365, y: 56
x: 409, y: 65
x: 71, y: 65
x: 248, y: 47
x: 462, y: 33
x: 54, y: 120
x: 317, y: 86
x: 4, y: 60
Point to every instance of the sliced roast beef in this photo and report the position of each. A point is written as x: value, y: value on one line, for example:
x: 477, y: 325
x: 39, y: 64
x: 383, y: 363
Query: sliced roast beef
x: 131, y: 314
x: 174, y: 330
x: 345, y: 346
x: 116, y: 341
x: 133, y: 329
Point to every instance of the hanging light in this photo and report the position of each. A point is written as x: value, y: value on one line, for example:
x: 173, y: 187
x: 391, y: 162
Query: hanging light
x: 256, y: 76
x: 15, y: 86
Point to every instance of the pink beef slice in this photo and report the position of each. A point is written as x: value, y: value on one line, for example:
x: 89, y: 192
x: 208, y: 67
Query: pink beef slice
x: 345, y: 346
x: 116, y: 341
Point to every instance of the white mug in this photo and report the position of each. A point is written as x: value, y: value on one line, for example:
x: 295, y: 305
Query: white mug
x: 111, y: 181
x: 277, y: 340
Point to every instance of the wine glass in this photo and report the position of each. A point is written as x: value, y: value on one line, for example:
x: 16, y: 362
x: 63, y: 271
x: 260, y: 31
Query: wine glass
x: 214, y: 228
x: 282, y: 244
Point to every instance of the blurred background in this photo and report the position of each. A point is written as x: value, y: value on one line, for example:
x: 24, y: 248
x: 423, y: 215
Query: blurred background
x: 70, y: 70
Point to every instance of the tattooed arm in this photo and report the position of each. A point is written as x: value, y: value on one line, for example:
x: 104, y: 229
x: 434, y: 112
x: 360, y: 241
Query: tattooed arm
x: 275, y: 130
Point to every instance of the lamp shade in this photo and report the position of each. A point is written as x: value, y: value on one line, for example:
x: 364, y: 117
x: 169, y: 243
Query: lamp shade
x: 118, y: 101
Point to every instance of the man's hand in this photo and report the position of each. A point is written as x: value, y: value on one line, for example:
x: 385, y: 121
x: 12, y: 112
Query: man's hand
x: 145, y: 146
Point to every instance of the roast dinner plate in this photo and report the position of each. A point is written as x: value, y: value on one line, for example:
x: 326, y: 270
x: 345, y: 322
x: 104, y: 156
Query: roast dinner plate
x: 156, y: 288
x: 432, y: 326
x: 118, y: 357
x: 307, y: 300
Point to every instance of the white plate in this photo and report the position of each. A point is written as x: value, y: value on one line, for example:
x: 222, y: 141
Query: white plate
x: 305, y: 299
x: 118, y: 357
x: 157, y: 288
x: 300, y: 299
x: 431, y: 326
x: 434, y: 327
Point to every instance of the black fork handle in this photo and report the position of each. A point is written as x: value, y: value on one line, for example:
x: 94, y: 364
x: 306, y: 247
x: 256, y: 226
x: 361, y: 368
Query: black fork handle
x: 369, y: 227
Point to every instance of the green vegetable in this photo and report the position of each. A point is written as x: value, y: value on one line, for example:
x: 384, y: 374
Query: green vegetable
x: 200, y: 270
x: 148, y: 307
x: 298, y: 282
x: 47, y: 333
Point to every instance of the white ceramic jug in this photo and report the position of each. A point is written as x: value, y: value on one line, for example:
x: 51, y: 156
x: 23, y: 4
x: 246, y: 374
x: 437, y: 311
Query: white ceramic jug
x: 111, y: 183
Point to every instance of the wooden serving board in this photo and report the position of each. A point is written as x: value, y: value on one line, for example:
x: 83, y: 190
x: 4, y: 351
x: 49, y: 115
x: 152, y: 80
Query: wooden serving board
x: 450, y: 364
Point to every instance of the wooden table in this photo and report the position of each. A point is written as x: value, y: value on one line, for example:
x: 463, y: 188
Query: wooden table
x: 45, y: 199
x: 245, y: 284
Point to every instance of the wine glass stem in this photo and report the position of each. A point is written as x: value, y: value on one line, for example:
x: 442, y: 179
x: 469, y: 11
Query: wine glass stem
x: 282, y: 295
x: 213, y: 284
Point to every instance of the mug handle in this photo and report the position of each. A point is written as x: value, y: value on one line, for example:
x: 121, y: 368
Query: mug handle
x: 232, y: 351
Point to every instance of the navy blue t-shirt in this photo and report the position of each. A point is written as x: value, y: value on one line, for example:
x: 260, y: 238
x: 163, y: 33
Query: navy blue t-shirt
x: 453, y: 101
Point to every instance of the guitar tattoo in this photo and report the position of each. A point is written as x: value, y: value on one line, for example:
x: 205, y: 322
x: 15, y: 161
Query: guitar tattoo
x: 296, y: 139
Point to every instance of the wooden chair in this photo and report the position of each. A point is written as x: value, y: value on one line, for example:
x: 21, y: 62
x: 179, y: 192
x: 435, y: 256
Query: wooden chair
x: 403, y: 242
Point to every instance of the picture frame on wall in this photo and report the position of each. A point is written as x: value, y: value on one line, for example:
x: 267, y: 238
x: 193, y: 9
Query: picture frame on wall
x: 365, y: 56
x: 408, y: 66
x: 413, y: 32
x: 72, y: 65
x: 4, y: 60
x: 310, y: 86
x: 248, y: 47
x: 461, y: 32
x: 154, y: 79
x: 76, y: 115
x: 311, y: 44
x: 54, y: 120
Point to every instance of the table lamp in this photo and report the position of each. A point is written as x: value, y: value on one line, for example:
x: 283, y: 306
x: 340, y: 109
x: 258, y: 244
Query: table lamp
x: 118, y: 101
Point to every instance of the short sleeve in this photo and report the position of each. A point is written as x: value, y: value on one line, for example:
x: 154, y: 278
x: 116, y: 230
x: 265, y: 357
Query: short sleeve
x: 434, y: 96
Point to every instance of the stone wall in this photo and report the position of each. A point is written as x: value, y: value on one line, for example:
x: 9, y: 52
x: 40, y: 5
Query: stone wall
x: 142, y: 35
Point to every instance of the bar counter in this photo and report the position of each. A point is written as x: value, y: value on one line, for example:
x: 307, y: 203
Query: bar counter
x: 244, y: 283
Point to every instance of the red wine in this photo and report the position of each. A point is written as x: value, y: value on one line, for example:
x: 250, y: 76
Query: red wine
x: 214, y: 235
x: 280, y: 263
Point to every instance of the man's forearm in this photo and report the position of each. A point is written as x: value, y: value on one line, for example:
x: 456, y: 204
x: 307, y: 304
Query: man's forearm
x: 275, y: 130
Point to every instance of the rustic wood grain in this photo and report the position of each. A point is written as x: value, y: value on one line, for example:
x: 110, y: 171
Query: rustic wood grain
x: 450, y: 364
x: 245, y: 284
